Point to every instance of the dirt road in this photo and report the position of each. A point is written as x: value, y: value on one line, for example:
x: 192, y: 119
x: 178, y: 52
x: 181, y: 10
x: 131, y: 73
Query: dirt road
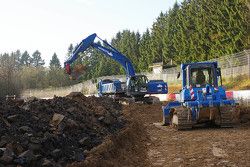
x: 198, y: 147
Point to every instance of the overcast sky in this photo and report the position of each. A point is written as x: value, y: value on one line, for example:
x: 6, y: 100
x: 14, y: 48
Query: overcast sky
x: 51, y: 25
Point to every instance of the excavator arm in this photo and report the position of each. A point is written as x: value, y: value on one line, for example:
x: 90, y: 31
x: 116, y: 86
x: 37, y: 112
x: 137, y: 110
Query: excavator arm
x: 110, y: 52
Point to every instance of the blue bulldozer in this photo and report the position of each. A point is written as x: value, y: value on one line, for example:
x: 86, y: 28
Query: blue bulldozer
x: 135, y: 86
x: 202, y: 99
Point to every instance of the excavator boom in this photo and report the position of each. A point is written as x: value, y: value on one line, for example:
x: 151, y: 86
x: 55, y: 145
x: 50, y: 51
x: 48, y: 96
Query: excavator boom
x: 110, y: 52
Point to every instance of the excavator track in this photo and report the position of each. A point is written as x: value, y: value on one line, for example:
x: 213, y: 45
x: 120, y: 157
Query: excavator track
x: 226, y: 116
x: 181, y: 118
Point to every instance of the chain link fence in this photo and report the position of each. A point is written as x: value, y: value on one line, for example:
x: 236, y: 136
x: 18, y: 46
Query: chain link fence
x: 236, y: 64
x: 231, y: 66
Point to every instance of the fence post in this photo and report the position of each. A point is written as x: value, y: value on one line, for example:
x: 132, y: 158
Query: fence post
x: 231, y: 67
x: 248, y: 63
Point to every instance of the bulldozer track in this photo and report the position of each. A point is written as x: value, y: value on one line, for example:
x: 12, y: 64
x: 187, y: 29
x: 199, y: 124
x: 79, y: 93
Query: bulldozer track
x: 226, y: 117
x: 184, y: 118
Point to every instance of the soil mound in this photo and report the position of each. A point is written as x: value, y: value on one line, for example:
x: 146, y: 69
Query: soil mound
x: 57, y: 131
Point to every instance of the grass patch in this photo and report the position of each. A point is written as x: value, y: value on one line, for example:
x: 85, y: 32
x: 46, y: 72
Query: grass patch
x: 175, y: 88
x: 241, y: 82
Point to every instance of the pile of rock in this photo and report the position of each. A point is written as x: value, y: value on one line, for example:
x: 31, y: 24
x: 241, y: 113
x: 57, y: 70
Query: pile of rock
x: 57, y: 131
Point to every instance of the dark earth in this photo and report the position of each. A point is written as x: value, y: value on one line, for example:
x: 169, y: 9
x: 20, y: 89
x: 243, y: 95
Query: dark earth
x: 57, y: 131
x: 81, y: 131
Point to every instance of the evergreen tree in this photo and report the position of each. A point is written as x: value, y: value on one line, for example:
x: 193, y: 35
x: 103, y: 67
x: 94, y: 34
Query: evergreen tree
x: 54, y: 62
x: 146, y: 58
x: 17, y: 58
x: 70, y: 50
x: 158, y: 31
x: 25, y: 59
x: 36, y: 59
x: 127, y: 43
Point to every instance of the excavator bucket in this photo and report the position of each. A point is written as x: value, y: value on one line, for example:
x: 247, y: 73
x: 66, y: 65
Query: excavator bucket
x: 77, y: 71
x: 68, y: 69
x: 79, y: 68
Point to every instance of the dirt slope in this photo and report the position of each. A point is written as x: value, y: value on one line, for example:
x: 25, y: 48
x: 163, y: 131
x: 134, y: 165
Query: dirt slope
x: 127, y: 148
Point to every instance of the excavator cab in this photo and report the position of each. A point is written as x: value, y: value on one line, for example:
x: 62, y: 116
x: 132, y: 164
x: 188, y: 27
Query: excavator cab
x: 137, y: 85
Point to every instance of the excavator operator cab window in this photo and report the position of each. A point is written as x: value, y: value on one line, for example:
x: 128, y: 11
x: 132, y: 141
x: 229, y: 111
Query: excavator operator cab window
x: 139, y: 83
x: 142, y: 80
x: 201, y: 76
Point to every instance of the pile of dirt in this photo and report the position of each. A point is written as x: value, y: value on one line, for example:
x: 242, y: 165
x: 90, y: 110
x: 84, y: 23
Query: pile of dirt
x: 127, y: 148
x: 57, y: 131
x: 244, y: 114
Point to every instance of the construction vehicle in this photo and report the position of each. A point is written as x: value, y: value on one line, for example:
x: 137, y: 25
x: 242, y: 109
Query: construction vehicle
x: 136, y: 86
x: 202, y: 99
x: 113, y: 88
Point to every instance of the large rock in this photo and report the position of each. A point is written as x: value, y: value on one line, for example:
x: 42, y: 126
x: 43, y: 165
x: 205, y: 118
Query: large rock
x: 13, y: 118
x: 3, y: 141
x: 57, y: 119
x: 7, y: 155
x: 85, y: 141
x: 35, y: 147
x: 25, y: 129
x: 25, y: 157
x: 47, y: 163
x: 5, y: 159
x: 71, y: 123
x: 56, y: 154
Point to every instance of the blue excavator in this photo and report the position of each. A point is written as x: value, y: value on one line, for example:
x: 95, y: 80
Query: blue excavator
x: 136, y: 86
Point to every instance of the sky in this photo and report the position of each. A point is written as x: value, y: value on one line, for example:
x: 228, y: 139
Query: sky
x: 51, y: 25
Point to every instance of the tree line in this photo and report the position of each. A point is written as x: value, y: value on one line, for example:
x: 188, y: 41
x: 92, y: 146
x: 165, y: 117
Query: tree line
x: 20, y: 71
x: 195, y: 30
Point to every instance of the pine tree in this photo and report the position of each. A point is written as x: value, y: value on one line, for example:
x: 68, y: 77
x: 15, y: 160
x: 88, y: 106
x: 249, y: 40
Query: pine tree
x: 158, y: 30
x: 54, y: 62
x: 146, y: 58
x: 70, y: 50
x: 36, y: 59
x: 25, y: 59
x: 17, y: 58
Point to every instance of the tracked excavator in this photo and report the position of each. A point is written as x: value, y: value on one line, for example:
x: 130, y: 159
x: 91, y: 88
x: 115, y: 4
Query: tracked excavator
x: 135, y: 87
x: 202, y: 99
